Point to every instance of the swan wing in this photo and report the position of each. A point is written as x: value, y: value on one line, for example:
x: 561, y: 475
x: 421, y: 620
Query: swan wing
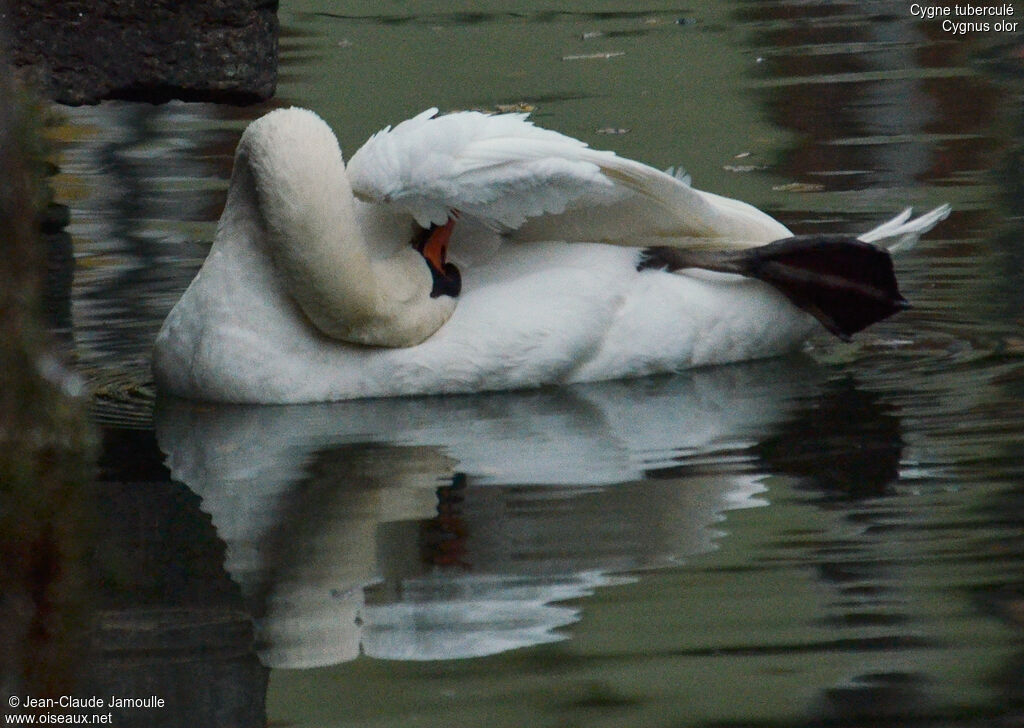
x: 535, y: 184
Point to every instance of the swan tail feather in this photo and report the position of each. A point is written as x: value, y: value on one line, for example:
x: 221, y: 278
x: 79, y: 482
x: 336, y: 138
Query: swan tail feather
x: 902, y: 233
x: 845, y: 283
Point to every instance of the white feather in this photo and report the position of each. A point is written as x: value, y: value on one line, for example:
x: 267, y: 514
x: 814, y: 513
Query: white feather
x: 543, y: 302
x: 901, y: 233
x: 508, y: 174
x: 500, y: 169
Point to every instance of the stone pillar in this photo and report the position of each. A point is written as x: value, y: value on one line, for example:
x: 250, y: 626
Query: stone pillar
x: 85, y: 51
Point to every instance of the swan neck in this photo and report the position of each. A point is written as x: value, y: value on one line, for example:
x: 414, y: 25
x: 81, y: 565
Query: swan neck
x: 306, y: 212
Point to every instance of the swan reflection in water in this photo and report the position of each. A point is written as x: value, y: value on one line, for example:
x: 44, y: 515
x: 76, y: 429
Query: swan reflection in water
x: 447, y: 527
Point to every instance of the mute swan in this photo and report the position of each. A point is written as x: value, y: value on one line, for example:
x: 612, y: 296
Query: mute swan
x: 468, y: 252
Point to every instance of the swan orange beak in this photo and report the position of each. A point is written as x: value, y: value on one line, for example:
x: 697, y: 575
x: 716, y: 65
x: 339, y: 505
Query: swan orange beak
x: 432, y: 244
x: 435, y: 247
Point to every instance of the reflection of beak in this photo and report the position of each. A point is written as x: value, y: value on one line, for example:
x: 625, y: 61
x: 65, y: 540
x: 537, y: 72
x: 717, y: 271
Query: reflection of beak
x: 443, y: 538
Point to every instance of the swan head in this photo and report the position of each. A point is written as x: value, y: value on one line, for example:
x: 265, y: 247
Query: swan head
x: 352, y: 280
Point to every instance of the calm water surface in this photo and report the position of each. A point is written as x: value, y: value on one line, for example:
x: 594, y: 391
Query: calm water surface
x: 835, y: 538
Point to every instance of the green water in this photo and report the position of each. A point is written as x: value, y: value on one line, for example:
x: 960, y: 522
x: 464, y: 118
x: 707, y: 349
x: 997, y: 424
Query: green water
x: 833, y: 539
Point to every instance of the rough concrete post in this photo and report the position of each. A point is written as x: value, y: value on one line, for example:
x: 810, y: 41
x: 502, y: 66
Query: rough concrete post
x: 84, y: 51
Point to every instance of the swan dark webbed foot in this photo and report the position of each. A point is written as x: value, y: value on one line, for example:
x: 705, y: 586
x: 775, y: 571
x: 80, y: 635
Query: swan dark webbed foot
x: 432, y: 244
x: 843, y: 282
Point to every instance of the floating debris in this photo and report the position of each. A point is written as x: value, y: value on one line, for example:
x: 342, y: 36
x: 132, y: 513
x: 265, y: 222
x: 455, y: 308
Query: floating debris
x: 743, y: 167
x: 798, y: 187
x: 591, y: 35
x: 616, y: 130
x: 520, y: 107
x: 594, y: 56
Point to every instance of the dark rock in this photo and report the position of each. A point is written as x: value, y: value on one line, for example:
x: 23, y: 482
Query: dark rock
x: 47, y: 445
x: 83, y: 52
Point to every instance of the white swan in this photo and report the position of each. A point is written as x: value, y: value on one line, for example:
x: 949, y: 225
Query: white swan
x: 470, y: 252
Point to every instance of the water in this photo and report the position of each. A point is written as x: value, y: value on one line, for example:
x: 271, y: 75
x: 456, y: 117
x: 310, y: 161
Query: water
x: 835, y: 538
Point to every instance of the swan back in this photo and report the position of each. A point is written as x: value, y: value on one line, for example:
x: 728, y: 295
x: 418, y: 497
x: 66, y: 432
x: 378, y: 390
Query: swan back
x: 302, y: 273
